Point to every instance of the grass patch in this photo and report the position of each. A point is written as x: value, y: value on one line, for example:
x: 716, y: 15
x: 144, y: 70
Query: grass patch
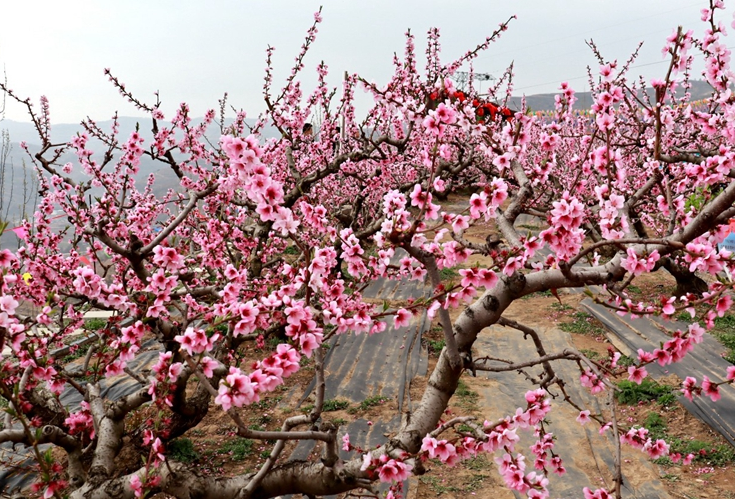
x: 655, y: 423
x: 448, y: 273
x: 478, y: 463
x: 684, y: 317
x: 582, y: 323
x: 372, y: 402
x: 335, y: 405
x: 724, y: 331
x: 292, y: 250
x: 435, y: 346
x: 237, y: 449
x: 704, y: 452
x: 182, y: 450
x: 435, y: 484
x: 631, y: 393
x: 590, y: 354
x: 625, y: 361
x: 469, y: 484
x: 94, y: 324
x: 561, y: 307
x: 467, y: 398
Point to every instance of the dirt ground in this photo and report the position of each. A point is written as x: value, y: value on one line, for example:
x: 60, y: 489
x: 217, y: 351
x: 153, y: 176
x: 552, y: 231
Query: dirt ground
x: 478, y: 477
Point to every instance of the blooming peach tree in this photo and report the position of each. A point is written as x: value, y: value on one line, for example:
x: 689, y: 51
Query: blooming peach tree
x: 266, y: 246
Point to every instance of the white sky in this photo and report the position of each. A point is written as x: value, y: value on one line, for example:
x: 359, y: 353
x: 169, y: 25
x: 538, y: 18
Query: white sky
x: 193, y: 51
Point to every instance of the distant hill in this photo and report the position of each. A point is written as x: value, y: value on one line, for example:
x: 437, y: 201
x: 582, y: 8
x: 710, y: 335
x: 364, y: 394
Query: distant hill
x: 545, y: 102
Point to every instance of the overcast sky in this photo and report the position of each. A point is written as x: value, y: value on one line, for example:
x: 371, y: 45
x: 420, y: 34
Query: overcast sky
x: 194, y: 51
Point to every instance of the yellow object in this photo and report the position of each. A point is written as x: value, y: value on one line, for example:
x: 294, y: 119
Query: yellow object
x: 27, y: 277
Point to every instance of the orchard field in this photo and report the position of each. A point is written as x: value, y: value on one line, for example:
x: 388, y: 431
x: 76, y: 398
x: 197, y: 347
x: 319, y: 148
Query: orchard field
x: 380, y: 304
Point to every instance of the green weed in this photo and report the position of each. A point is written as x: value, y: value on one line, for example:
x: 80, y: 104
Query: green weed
x: 372, y: 402
x: 631, y: 393
x: 625, y: 361
x: 335, y: 405
x: 560, y: 307
x: 182, y: 450
x: 724, y: 331
x: 583, y: 323
x: 706, y: 453
x: 238, y: 449
x: 448, y: 273
x: 292, y: 250
x: 590, y: 354
x: 467, y: 398
x: 436, y: 346
x: 94, y: 324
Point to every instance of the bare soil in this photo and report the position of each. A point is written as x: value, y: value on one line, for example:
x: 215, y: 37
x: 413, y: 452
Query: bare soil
x: 479, y: 478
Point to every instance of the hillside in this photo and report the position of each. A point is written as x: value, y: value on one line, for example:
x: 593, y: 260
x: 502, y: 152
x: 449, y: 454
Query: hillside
x: 545, y: 102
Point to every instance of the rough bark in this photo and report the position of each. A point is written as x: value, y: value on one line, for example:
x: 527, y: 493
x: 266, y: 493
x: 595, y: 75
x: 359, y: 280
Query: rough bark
x: 686, y: 282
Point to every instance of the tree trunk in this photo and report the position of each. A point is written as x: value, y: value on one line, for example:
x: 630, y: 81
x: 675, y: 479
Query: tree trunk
x: 686, y: 282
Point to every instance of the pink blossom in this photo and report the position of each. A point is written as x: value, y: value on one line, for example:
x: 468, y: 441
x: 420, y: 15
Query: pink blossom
x: 236, y: 389
x: 434, y: 125
x: 208, y: 366
x: 597, y: 494
x: 637, y: 374
x: 446, y: 114
x: 710, y: 389
x: 402, y: 318
x: 584, y: 417
x: 656, y: 449
x: 723, y: 305
x: 136, y: 485
x: 689, y: 387
x: 394, y: 471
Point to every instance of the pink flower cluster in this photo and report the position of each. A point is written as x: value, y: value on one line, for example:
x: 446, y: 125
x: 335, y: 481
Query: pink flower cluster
x: 503, y: 437
x: 638, y: 439
x: 195, y: 340
x: 592, y: 381
x: 637, y: 265
x: 238, y: 389
x: 81, y: 421
x: 302, y: 327
x: 437, y: 120
x: 564, y: 236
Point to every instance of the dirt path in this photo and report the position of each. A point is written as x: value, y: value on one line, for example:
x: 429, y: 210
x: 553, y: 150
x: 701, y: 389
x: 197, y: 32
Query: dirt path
x: 629, y: 335
x: 588, y: 456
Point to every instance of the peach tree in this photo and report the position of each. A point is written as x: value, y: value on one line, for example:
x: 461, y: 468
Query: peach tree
x: 266, y: 246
